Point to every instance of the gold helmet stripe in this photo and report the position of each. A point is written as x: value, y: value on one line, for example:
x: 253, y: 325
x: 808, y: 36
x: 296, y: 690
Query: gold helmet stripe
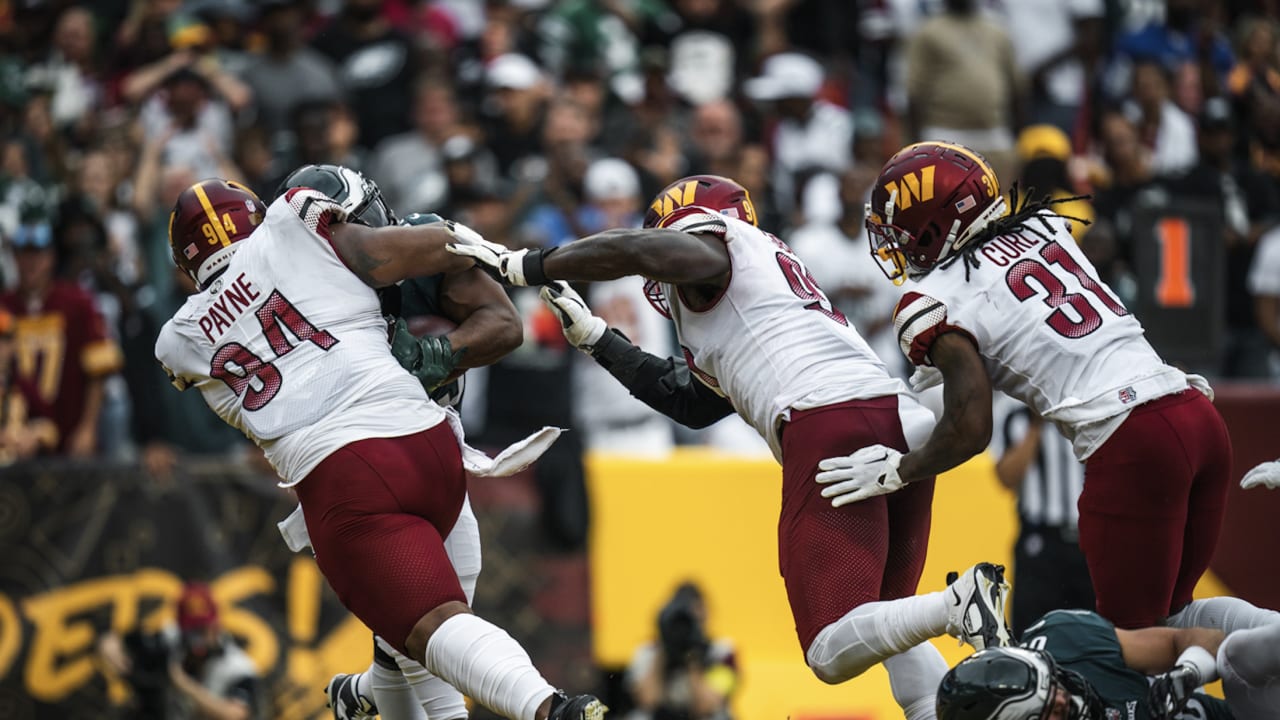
x: 211, y: 214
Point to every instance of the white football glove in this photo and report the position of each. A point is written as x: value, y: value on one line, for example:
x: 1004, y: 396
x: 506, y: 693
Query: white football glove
x: 496, y: 259
x: 1265, y: 475
x: 582, y: 329
x: 867, y: 473
x: 925, y: 377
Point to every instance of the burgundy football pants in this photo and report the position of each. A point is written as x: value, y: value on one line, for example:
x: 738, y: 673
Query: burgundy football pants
x: 835, y: 559
x: 377, y: 511
x: 1152, y: 507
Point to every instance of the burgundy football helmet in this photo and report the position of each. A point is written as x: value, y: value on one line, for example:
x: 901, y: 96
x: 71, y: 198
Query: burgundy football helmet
x: 712, y: 192
x: 930, y: 200
x: 206, y: 222
x: 709, y: 191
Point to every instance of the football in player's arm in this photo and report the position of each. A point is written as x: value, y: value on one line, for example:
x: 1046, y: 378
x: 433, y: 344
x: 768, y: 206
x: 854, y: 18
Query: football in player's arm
x: 487, y: 326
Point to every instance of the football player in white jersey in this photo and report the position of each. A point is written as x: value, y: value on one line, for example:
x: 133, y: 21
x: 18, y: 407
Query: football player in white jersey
x: 285, y: 340
x: 488, y: 326
x: 1008, y: 300
x: 760, y: 338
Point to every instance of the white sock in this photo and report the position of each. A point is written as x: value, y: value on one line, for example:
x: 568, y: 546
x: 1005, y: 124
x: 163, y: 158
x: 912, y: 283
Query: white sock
x: 1249, y: 663
x: 362, y: 685
x: 439, y: 699
x: 393, y: 696
x: 873, y: 632
x: 1227, y: 614
x: 484, y: 662
x: 914, y: 677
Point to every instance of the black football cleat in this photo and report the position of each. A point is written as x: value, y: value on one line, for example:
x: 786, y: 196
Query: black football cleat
x: 578, y: 707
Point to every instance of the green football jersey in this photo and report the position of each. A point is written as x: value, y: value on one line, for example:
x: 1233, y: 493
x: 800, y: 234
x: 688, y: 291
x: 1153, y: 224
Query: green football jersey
x: 420, y: 296
x: 1086, y: 643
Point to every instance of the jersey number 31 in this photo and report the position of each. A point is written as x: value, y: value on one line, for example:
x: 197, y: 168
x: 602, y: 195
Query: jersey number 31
x: 1087, y: 317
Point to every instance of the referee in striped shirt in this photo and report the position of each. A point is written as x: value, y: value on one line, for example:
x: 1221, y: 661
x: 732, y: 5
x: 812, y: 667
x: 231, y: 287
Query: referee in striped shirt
x: 1036, y: 462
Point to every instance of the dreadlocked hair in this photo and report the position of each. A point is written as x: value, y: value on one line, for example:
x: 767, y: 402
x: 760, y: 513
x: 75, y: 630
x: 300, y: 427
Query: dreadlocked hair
x: 1026, y: 215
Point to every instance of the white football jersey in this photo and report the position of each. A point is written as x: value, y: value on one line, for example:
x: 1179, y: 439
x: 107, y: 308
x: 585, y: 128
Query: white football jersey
x: 1050, y: 333
x: 772, y: 341
x: 290, y: 347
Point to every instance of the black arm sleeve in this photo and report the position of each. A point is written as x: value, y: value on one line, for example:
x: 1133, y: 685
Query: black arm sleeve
x: 664, y: 384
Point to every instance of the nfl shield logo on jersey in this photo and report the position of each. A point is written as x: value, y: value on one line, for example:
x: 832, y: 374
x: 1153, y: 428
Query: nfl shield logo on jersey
x: 1127, y: 395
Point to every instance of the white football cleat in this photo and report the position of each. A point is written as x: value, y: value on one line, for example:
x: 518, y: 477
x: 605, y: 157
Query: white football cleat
x: 975, y: 606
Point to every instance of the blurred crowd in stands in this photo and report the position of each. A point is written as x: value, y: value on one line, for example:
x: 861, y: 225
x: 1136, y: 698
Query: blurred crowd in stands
x: 540, y: 121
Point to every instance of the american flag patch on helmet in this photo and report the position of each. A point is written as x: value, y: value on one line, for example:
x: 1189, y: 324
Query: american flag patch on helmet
x: 190, y: 250
x: 967, y: 204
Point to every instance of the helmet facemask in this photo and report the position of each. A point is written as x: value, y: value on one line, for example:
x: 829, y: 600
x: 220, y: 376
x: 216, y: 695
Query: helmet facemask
x: 373, y: 210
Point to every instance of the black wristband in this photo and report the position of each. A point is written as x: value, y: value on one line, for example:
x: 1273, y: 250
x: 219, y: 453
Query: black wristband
x: 611, y: 346
x: 532, y: 267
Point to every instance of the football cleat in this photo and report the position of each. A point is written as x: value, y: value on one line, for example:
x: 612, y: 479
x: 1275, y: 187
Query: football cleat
x: 345, y: 699
x: 975, y: 606
x: 578, y: 707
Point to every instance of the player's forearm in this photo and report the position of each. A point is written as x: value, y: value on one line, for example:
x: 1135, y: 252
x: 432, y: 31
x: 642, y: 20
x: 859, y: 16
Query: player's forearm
x: 1156, y: 650
x: 661, y: 383
x: 1207, y: 638
x: 488, y: 334
x: 387, y: 255
x: 961, y: 433
x: 948, y: 446
x: 488, y: 324
x: 657, y: 254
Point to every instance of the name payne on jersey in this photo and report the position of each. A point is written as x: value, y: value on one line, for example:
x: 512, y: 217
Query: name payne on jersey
x: 240, y: 294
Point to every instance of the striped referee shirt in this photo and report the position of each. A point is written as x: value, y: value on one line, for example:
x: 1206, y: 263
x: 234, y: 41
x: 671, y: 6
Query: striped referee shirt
x: 1054, y: 478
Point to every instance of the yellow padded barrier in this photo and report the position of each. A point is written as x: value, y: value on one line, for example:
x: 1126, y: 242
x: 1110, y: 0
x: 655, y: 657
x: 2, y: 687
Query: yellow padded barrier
x: 704, y: 516
x: 712, y: 518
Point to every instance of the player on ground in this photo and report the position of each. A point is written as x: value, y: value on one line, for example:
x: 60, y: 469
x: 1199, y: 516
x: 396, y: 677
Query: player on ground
x: 488, y: 326
x: 759, y: 337
x: 286, y: 341
x: 1075, y: 665
x: 1010, y: 301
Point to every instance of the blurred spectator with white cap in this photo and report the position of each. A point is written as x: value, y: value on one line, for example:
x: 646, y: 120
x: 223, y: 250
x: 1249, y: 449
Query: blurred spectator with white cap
x: 807, y: 132
x: 514, y: 117
x: 963, y: 84
x: 614, y: 421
